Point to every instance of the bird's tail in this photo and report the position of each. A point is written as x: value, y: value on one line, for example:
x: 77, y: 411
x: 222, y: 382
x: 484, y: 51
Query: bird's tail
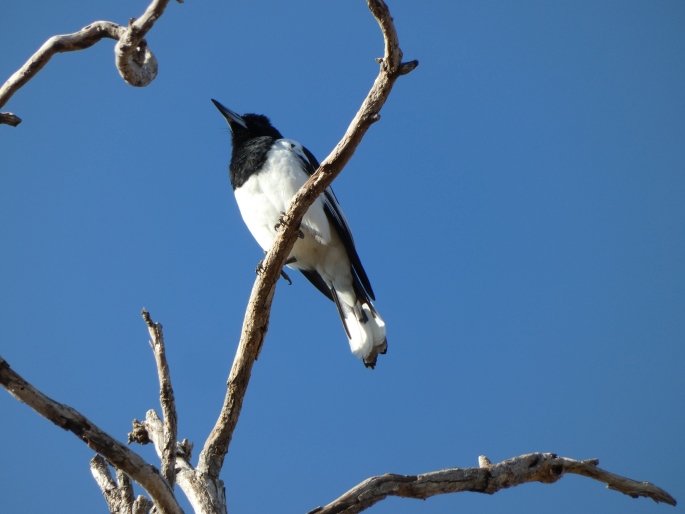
x: 364, y: 327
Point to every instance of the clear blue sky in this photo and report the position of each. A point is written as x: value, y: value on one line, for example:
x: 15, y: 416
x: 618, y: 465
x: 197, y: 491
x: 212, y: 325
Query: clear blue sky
x: 520, y: 209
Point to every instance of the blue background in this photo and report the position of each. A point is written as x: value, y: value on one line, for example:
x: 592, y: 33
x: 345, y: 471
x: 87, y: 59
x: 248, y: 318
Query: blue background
x: 519, y: 209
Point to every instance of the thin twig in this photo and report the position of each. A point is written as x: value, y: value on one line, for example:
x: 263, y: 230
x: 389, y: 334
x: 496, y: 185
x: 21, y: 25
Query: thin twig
x: 488, y: 478
x: 84, y: 38
x: 618, y: 483
x: 166, y: 399
x: 256, y: 320
x: 116, y: 453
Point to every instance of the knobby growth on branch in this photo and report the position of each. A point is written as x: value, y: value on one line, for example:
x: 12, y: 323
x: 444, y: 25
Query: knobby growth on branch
x: 136, y: 63
x: 202, y: 484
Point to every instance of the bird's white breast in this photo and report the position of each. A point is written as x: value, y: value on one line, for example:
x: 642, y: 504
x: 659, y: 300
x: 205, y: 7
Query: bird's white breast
x: 267, y: 194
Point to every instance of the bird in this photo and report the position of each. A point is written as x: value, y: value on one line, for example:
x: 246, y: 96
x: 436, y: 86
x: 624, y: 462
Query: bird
x: 266, y: 170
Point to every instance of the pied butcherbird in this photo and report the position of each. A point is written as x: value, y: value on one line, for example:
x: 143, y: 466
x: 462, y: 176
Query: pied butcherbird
x: 266, y: 171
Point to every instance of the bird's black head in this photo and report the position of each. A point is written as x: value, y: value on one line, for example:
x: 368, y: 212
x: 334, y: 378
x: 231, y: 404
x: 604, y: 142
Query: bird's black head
x: 248, y: 126
x: 253, y: 136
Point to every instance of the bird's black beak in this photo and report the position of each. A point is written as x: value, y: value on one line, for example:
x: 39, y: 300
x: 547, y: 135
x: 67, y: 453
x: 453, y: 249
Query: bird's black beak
x: 230, y: 115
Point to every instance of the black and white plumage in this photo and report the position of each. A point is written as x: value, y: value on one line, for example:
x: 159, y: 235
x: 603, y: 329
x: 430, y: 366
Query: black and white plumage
x: 266, y: 171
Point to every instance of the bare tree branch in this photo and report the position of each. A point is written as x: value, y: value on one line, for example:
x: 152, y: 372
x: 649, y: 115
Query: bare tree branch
x: 166, y: 398
x: 134, y: 60
x: 118, y: 495
x: 116, y: 453
x: 206, y: 495
x: 489, y: 478
x: 141, y: 506
x: 84, y: 38
x: 109, y: 488
x: 256, y: 320
x: 126, y: 487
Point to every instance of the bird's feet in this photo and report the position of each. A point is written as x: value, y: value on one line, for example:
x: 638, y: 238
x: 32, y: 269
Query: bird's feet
x: 286, y: 277
x: 260, y: 269
x: 289, y: 260
x: 281, y: 221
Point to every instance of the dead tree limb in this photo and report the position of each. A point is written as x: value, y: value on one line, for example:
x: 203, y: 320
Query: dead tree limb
x: 256, y: 320
x: 488, y: 478
x: 119, y: 494
x: 115, y: 452
x: 134, y: 60
x: 114, y: 495
x: 166, y: 399
x: 206, y: 495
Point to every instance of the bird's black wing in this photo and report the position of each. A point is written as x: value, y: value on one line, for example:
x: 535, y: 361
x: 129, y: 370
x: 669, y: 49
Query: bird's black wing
x: 318, y: 282
x: 337, y: 218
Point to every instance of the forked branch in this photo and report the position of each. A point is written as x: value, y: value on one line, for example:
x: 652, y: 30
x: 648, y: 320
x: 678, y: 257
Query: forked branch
x: 256, y: 321
x: 119, y: 494
x: 116, y: 453
x: 206, y: 496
